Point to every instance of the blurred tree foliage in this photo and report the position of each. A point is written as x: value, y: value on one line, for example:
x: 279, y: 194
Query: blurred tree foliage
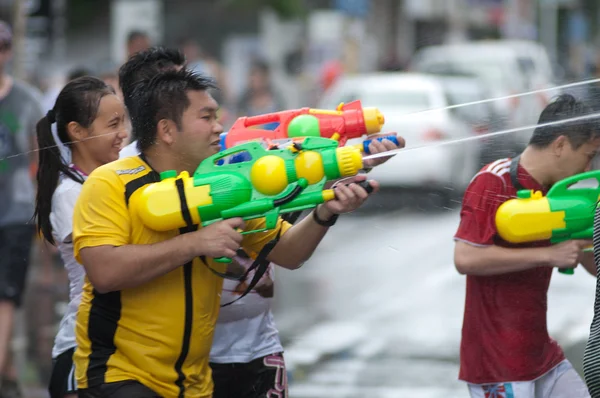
x: 285, y: 9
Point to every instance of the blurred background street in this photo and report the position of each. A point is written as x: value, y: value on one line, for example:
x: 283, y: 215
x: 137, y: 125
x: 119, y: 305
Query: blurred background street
x: 377, y: 311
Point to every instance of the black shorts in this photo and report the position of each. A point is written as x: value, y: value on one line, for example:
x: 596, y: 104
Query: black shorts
x: 264, y: 377
x: 62, y: 379
x: 15, y: 252
x: 120, y: 389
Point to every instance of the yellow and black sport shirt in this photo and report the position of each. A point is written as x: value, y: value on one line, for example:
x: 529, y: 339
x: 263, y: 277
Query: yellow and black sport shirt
x: 160, y: 333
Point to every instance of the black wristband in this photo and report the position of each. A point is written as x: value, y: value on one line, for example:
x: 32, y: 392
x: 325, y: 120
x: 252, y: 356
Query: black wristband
x: 327, y: 223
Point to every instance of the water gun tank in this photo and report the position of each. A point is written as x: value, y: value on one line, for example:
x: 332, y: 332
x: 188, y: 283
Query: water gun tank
x: 528, y: 218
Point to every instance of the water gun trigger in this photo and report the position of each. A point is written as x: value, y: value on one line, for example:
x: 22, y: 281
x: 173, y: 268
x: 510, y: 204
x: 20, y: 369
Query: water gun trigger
x: 271, y: 218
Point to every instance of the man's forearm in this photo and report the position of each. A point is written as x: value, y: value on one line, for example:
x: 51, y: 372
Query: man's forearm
x: 496, y: 260
x: 299, y: 243
x: 587, y: 260
x: 111, y: 268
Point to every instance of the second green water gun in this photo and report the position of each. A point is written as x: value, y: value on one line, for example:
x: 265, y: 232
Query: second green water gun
x: 565, y: 213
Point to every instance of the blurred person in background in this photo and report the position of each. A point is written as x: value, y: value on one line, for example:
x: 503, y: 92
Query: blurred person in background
x: 90, y: 120
x: 52, y: 92
x: 260, y: 97
x: 137, y: 41
x: 505, y: 345
x: 20, y: 109
x: 138, y: 70
x: 330, y: 73
x: 198, y: 60
x: 108, y: 72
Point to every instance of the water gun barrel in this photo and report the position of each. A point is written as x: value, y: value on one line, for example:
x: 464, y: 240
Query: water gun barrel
x: 349, y: 121
x: 261, y: 119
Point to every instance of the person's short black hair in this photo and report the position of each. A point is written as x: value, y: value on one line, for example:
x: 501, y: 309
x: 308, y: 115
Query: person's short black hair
x: 141, y: 67
x: 578, y: 132
x: 165, y: 96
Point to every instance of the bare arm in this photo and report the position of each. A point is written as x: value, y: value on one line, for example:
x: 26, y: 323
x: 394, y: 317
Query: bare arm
x: 496, y: 260
x: 112, y: 268
x: 587, y: 260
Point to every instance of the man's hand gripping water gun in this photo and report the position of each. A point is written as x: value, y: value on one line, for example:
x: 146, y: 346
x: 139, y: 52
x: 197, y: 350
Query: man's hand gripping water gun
x: 564, y: 214
x: 347, y: 122
x: 270, y: 183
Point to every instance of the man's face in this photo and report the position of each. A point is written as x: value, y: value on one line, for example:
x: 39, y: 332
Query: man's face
x: 200, y: 132
x: 573, y: 161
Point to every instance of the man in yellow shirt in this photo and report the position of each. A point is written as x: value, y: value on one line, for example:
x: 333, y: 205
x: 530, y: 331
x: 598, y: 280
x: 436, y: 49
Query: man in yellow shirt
x: 151, y: 299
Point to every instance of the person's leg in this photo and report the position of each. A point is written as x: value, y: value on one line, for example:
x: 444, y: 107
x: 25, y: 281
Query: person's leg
x: 565, y: 382
x: 266, y: 377
x: 15, y: 250
x: 62, y: 380
x: 7, y: 306
x: 7, y: 317
x: 225, y: 379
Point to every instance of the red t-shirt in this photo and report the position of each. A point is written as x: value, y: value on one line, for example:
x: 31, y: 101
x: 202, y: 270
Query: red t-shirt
x: 504, y: 334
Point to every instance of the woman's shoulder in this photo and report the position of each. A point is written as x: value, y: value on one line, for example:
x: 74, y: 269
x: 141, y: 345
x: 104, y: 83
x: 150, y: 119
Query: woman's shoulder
x: 67, y: 188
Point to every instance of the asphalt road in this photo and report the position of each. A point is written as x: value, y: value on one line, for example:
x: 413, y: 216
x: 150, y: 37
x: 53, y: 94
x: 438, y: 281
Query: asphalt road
x: 377, y: 312
x: 386, y: 305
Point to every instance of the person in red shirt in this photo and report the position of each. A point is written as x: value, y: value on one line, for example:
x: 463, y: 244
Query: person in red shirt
x: 506, y: 350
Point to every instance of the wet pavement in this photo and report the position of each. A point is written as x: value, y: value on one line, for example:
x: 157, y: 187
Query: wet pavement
x: 390, y: 308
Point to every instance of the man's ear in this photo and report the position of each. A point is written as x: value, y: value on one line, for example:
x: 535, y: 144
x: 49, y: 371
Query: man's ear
x: 559, y: 145
x: 166, y: 131
x: 76, y: 132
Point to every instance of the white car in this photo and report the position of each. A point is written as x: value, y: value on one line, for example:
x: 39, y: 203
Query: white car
x: 507, y: 67
x: 425, y: 164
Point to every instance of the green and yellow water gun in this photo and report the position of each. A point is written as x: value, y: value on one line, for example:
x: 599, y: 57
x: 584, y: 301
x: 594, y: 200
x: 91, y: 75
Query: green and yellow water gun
x: 565, y: 213
x: 267, y: 184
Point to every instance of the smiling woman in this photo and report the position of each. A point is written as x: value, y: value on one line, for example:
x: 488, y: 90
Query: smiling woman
x: 90, y: 121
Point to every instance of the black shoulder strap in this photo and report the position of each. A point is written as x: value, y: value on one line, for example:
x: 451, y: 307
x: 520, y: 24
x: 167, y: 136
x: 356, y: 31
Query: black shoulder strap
x: 261, y: 264
x: 514, y: 167
x: 140, y: 182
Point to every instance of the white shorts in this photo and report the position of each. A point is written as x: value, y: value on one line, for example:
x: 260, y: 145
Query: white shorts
x: 561, y: 382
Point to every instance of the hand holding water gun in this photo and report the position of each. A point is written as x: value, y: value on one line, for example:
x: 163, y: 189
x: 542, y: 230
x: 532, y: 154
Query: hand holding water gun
x: 269, y: 183
x: 564, y: 214
x: 347, y: 122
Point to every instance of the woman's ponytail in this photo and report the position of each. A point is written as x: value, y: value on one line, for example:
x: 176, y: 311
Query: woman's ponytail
x: 51, y: 165
x: 77, y: 102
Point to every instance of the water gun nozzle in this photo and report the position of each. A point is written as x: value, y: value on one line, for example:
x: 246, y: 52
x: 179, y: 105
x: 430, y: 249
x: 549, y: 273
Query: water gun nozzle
x: 349, y: 161
x: 374, y: 120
